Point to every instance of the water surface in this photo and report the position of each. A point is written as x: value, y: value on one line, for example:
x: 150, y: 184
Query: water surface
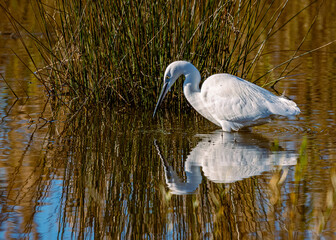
x: 124, y: 175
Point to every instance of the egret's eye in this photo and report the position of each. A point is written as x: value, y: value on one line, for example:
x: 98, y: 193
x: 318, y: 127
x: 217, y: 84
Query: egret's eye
x: 167, y: 77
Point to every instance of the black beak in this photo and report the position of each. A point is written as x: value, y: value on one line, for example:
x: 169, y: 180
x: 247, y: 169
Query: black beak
x: 162, y: 95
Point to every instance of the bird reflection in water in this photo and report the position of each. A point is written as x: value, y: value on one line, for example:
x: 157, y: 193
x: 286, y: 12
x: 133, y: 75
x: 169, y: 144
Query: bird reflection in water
x: 225, y: 158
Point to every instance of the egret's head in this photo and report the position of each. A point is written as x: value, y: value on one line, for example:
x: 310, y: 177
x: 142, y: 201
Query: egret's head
x: 172, y: 73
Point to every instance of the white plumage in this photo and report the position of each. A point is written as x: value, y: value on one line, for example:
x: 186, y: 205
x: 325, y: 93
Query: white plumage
x: 225, y: 158
x: 226, y: 100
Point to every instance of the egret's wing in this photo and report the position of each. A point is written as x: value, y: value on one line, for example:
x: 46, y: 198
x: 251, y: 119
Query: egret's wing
x: 229, y: 98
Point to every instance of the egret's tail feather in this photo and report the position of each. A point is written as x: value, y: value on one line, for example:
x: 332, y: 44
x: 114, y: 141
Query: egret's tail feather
x: 285, y: 108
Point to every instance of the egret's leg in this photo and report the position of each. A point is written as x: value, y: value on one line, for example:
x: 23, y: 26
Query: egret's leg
x: 226, y: 126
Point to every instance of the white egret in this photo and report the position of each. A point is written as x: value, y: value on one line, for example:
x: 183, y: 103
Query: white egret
x: 226, y: 100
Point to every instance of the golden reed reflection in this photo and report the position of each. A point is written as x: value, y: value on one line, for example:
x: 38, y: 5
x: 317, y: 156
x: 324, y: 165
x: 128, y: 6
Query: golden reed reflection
x: 111, y: 182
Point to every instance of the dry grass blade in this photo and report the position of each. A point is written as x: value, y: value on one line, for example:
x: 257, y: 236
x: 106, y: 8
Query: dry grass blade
x: 7, y: 84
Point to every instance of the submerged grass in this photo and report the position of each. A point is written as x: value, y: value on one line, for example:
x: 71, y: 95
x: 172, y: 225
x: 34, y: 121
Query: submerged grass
x: 115, y: 52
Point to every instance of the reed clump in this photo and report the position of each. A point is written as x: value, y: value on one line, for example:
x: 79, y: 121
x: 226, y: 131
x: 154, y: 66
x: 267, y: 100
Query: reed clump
x: 115, y: 52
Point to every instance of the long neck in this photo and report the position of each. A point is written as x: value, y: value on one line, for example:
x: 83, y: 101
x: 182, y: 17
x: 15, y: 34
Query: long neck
x: 174, y: 183
x: 191, y: 84
x: 192, y: 92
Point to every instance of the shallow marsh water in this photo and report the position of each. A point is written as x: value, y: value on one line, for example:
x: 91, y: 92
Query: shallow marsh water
x: 124, y: 175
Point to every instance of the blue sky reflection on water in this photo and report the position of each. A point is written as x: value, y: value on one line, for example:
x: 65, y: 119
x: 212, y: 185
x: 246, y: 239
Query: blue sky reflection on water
x: 49, y: 217
x: 120, y: 167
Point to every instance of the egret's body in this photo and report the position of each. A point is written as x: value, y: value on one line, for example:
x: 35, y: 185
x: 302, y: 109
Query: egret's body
x: 226, y: 100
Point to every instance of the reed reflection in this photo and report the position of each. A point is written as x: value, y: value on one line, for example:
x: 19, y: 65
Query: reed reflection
x: 225, y: 158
